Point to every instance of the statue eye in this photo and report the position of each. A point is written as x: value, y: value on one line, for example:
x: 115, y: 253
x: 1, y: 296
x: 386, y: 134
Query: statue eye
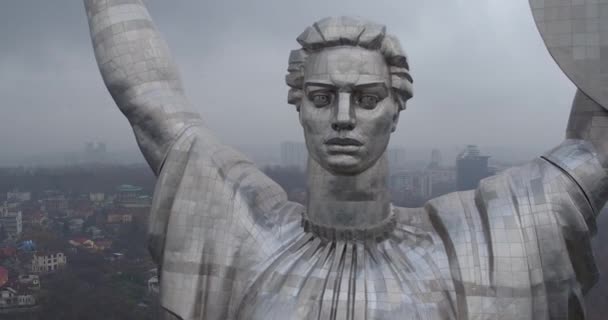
x: 321, y: 100
x: 368, y: 101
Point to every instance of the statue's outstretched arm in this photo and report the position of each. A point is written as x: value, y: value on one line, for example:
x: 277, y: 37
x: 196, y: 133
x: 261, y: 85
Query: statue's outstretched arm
x: 584, y: 153
x: 137, y: 69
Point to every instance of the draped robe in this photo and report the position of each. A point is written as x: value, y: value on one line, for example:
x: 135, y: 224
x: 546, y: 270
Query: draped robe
x: 229, y: 245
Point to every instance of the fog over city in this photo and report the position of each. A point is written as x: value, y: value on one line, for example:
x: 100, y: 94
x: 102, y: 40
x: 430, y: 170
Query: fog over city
x: 482, y: 74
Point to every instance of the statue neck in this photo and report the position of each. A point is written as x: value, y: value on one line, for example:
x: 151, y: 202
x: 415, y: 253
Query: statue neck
x: 357, y: 201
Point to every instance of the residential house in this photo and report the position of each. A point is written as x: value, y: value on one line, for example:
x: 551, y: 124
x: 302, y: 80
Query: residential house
x: 32, y: 281
x: 119, y: 218
x: 46, y: 262
x: 7, y: 252
x: 11, y: 299
x: 3, y: 276
x: 153, y: 285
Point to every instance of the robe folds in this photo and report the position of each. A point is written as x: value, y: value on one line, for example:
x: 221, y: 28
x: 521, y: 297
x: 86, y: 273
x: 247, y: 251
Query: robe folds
x: 229, y: 245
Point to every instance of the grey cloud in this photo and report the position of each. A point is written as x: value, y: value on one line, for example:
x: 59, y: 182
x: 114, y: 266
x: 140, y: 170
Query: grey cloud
x: 482, y: 74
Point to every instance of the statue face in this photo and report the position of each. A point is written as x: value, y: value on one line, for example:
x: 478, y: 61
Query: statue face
x: 348, y: 111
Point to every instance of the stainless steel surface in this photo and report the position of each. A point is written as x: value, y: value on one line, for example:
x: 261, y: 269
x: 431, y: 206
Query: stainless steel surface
x: 230, y: 246
x: 576, y: 34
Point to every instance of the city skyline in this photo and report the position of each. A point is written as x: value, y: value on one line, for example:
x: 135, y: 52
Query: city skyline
x: 261, y: 154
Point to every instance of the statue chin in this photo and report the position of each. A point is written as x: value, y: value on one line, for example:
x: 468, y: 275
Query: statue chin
x: 344, y: 164
x: 344, y: 170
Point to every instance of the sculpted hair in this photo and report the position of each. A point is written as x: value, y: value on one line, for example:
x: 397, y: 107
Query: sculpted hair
x: 347, y: 31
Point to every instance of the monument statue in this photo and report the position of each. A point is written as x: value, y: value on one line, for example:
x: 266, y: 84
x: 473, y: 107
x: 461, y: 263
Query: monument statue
x: 229, y: 244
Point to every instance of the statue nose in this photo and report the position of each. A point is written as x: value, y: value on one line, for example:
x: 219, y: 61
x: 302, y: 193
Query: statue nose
x: 342, y: 126
x: 344, y: 115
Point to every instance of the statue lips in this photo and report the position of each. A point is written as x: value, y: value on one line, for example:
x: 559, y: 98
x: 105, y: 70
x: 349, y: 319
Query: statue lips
x: 343, y: 145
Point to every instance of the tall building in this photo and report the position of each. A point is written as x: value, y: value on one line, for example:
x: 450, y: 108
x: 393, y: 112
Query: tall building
x: 294, y: 154
x: 54, y: 202
x: 132, y: 197
x: 442, y: 179
x: 396, y: 159
x: 435, y: 159
x: 11, y: 220
x: 471, y: 167
x: 413, y: 182
x: 127, y: 193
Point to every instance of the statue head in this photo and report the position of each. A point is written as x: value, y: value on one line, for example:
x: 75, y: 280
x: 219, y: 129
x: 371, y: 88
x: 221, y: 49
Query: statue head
x: 349, y: 82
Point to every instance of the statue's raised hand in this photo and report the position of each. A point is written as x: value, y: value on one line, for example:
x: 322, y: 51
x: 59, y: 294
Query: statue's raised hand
x: 137, y: 69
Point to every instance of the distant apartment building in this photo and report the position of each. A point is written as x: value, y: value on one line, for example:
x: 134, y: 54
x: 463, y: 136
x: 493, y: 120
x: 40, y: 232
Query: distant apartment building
x: 127, y: 193
x: 471, y: 167
x: 142, y: 201
x: 442, y: 175
x: 412, y: 182
x: 18, y: 196
x: 443, y: 179
x: 11, y: 221
x: 47, y: 262
x: 436, y: 159
x: 434, y: 180
x: 94, y: 232
x: 75, y: 225
x: 54, y: 202
x: 294, y: 154
x: 97, y: 197
x: 396, y: 158
x: 437, y: 182
x: 129, y: 196
x: 118, y: 218
x: 400, y: 181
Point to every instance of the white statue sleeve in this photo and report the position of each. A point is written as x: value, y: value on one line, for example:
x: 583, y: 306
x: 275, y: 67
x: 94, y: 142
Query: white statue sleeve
x: 583, y: 155
x: 139, y: 73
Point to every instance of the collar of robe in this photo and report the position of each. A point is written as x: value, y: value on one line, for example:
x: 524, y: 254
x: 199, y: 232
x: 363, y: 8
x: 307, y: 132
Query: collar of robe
x: 375, y: 232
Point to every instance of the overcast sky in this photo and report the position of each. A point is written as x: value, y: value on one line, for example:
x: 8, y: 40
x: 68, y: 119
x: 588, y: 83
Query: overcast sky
x: 482, y: 74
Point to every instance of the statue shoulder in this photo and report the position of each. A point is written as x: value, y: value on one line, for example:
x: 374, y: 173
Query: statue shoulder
x: 201, y: 167
x: 506, y: 191
x: 208, y: 182
x: 529, y: 212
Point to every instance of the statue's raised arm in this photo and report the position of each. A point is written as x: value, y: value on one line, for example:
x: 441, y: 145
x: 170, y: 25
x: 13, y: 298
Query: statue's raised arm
x: 207, y: 196
x: 137, y: 69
